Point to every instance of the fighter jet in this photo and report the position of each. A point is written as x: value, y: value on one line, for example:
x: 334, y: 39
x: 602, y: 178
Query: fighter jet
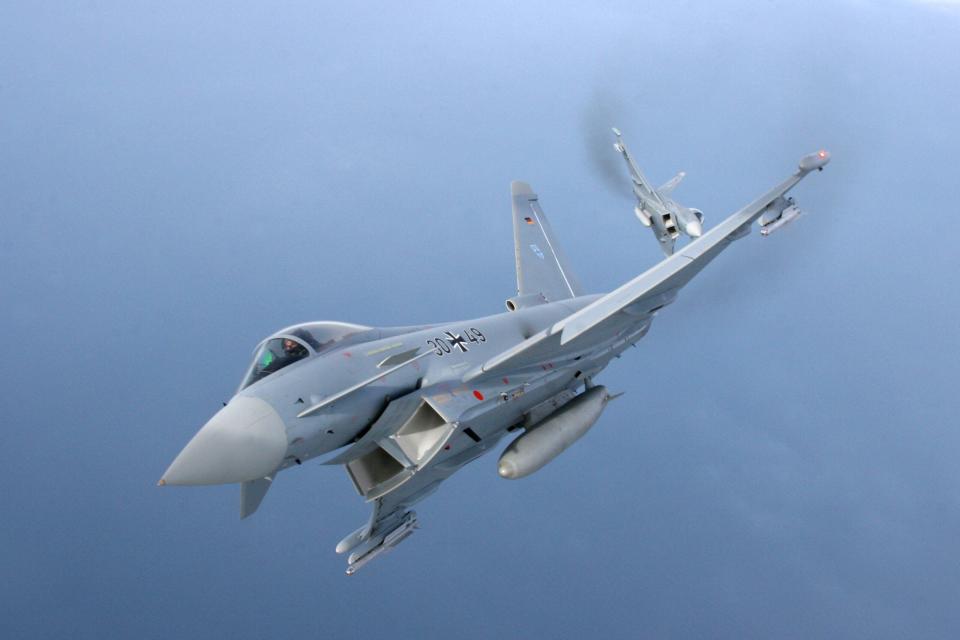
x: 403, y: 408
x: 656, y: 209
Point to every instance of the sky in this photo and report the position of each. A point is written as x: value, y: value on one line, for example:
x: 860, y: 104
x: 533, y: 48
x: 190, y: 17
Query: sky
x: 178, y: 180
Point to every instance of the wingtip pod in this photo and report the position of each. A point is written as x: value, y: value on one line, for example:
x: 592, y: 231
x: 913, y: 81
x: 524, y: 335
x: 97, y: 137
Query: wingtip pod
x: 813, y: 161
x: 520, y: 188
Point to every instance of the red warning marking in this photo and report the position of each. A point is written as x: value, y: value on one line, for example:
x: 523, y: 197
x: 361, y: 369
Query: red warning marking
x: 506, y: 381
x: 347, y: 354
x: 477, y: 395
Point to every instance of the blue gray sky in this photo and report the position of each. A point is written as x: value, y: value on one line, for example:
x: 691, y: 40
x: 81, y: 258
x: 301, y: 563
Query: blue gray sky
x: 179, y: 179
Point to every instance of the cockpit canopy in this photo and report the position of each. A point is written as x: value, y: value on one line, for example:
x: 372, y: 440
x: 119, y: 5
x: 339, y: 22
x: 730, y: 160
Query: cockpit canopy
x: 297, y: 343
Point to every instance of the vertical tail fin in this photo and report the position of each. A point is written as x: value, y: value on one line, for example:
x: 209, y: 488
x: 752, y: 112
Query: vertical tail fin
x: 541, y: 265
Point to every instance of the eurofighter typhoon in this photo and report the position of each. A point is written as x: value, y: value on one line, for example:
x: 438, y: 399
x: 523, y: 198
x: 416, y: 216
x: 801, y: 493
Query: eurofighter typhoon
x: 656, y: 208
x: 403, y: 408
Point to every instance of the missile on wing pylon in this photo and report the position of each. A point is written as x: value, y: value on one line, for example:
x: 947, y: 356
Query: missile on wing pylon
x: 789, y: 214
x: 778, y: 214
x: 783, y: 211
x: 354, y: 540
x: 544, y: 442
x: 374, y: 547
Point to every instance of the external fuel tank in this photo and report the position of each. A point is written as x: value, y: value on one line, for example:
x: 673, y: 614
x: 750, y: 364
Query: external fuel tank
x: 548, y: 439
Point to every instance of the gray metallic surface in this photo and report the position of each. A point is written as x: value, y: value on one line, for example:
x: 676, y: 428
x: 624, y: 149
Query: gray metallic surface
x: 655, y: 208
x: 542, y: 268
x: 546, y: 440
x: 245, y: 440
x: 406, y: 407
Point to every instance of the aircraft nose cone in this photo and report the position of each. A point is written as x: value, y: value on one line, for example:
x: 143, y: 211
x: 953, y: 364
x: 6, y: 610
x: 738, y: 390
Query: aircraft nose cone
x: 694, y: 229
x: 245, y: 440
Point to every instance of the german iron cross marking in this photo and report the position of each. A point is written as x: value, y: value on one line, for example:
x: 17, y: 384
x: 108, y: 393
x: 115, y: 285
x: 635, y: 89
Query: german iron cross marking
x: 457, y: 340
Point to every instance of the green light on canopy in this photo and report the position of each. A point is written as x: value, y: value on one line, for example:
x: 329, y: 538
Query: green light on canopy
x: 267, y: 358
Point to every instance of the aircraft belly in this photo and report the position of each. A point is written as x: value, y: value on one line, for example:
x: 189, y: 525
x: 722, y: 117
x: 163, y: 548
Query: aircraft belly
x: 501, y: 410
x: 440, y: 377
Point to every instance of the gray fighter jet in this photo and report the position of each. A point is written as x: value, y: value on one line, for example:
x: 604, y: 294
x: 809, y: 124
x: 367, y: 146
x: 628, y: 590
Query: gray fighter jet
x: 656, y: 209
x: 403, y: 408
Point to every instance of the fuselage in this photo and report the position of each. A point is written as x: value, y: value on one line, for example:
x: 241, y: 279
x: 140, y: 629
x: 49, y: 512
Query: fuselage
x: 490, y: 404
x: 668, y: 218
x: 328, y: 373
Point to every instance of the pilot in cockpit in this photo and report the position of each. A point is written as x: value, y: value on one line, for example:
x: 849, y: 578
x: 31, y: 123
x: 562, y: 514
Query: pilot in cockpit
x: 297, y: 343
x: 294, y: 349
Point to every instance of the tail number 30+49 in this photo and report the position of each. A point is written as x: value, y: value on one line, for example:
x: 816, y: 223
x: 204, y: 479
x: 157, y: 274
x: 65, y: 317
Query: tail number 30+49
x: 450, y: 342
